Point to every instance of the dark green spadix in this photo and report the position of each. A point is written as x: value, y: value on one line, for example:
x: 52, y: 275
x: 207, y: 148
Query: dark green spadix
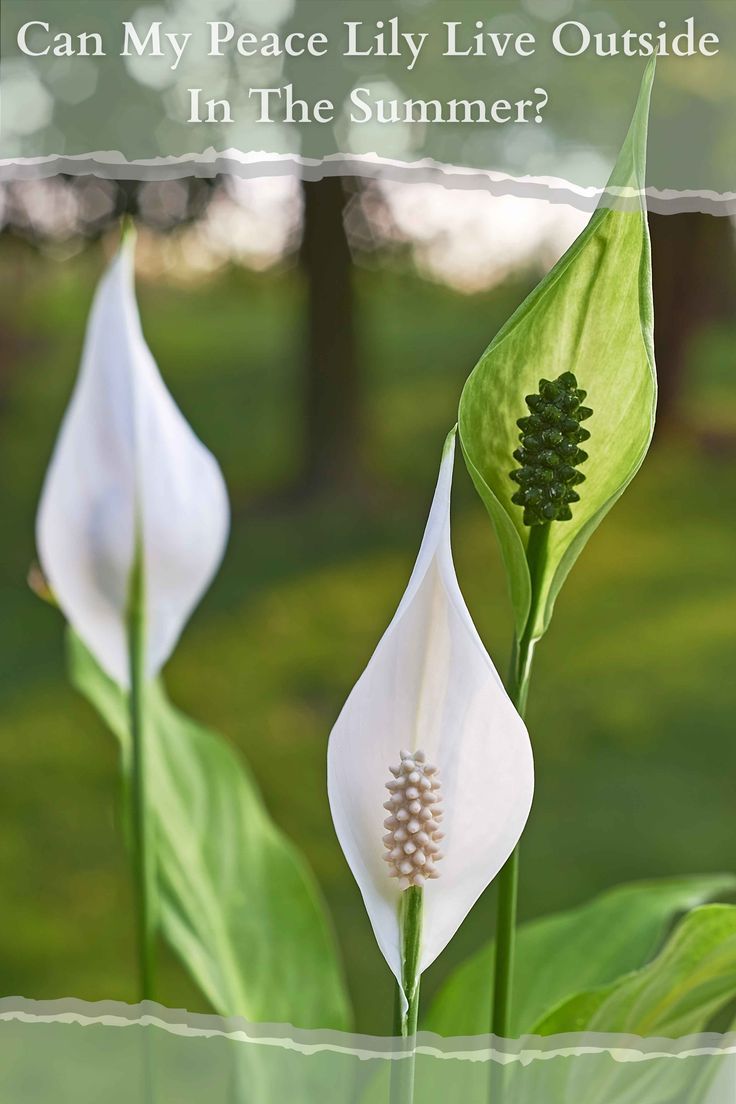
x: 550, y: 454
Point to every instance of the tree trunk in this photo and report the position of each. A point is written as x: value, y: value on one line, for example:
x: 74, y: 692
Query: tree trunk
x: 331, y: 380
x: 693, y: 276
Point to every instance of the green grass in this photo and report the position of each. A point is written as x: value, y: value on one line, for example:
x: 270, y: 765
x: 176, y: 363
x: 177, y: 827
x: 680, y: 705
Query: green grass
x: 632, y: 703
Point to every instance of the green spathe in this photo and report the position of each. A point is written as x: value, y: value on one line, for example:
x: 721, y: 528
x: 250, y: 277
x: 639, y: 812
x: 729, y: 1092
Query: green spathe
x: 591, y: 315
x: 237, y: 901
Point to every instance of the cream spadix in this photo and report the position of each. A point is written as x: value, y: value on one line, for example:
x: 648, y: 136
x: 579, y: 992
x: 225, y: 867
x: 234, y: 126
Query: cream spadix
x: 128, y: 472
x: 430, y: 698
x: 414, y: 810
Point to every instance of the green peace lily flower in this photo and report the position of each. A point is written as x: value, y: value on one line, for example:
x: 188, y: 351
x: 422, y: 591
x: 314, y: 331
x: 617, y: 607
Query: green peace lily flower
x: 584, y: 332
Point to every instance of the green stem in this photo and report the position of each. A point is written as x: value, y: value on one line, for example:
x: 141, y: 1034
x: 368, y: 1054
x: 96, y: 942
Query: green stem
x: 508, y: 880
x: 405, y: 1019
x: 144, y: 871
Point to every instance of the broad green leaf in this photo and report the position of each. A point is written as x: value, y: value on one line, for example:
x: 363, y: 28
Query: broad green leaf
x: 563, y: 954
x: 238, y: 903
x: 591, y: 315
x: 675, y: 995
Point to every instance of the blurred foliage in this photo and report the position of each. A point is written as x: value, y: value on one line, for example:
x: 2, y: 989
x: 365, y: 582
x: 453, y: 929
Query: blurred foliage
x: 632, y: 708
x: 237, y: 902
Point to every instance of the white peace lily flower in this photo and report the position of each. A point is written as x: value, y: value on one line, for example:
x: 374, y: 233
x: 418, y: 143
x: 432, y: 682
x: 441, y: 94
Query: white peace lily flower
x: 428, y: 719
x: 128, y: 468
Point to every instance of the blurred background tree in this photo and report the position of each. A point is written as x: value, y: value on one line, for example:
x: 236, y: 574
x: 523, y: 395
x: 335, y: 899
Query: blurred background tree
x: 332, y: 383
x: 694, y: 280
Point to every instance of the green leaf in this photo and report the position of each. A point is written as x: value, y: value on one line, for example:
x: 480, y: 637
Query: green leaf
x: 591, y: 315
x: 675, y: 995
x: 571, y: 951
x: 238, y: 903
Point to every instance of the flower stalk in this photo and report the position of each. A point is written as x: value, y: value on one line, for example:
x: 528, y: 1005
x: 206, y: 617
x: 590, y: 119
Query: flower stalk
x: 143, y: 854
x: 406, y: 1013
x: 410, y: 919
x: 508, y: 879
x: 549, y: 455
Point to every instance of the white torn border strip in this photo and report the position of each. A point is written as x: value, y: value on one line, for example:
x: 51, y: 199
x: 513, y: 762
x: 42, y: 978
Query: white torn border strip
x: 481, y: 1048
x: 210, y: 162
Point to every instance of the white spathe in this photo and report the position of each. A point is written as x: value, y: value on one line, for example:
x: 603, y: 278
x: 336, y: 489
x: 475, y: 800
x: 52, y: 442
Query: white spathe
x: 126, y: 462
x: 431, y: 685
